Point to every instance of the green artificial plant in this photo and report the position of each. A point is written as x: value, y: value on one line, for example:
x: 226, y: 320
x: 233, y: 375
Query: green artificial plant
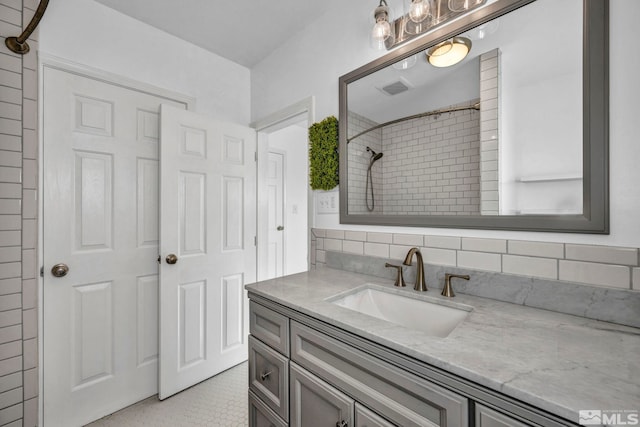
x: 323, y: 154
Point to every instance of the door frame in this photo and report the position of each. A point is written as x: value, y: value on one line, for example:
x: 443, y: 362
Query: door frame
x: 53, y: 62
x: 305, y: 107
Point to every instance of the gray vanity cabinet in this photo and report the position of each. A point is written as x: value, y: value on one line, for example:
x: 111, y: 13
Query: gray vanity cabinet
x: 486, y: 417
x: 314, y: 403
x: 305, y: 373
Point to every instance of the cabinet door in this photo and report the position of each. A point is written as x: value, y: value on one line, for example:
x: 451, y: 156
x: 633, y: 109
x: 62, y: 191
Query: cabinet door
x: 260, y: 415
x: 270, y: 327
x: 314, y: 403
x: 486, y: 417
x: 269, y: 376
x: 368, y: 418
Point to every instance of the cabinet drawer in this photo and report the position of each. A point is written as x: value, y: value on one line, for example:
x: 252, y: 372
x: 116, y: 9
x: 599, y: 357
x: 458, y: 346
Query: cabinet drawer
x: 403, y: 398
x: 314, y: 403
x: 486, y: 417
x: 269, y: 376
x: 260, y: 415
x: 270, y: 327
x: 368, y: 418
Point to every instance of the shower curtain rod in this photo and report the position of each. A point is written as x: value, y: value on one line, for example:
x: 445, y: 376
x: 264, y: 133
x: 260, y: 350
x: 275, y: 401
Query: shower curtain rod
x: 475, y: 106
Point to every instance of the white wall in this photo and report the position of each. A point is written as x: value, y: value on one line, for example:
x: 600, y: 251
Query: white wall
x: 312, y: 61
x: 92, y: 34
x: 541, y: 108
x: 293, y: 141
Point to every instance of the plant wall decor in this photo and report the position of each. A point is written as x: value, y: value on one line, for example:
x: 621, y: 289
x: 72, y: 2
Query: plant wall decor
x: 323, y: 154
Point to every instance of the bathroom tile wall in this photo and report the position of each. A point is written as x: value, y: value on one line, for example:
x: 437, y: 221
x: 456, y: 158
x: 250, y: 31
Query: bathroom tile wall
x: 431, y: 164
x: 359, y: 162
x: 603, y: 266
x: 18, y: 221
x: 489, y: 135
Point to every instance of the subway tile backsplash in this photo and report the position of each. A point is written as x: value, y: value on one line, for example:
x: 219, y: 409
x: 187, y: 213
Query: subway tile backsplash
x: 541, y: 249
x: 615, y: 276
x: 602, y: 266
x: 605, y: 254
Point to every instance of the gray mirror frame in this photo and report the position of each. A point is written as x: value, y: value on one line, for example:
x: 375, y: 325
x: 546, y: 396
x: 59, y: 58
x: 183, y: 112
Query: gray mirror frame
x: 595, y: 217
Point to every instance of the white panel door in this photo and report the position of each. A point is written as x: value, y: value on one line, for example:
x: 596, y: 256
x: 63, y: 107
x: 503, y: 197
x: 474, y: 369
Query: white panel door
x: 275, y: 216
x: 207, y: 222
x: 100, y: 198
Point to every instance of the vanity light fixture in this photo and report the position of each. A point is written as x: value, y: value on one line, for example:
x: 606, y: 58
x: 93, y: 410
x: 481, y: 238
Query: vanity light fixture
x: 420, y: 17
x: 449, y: 52
x: 382, y: 29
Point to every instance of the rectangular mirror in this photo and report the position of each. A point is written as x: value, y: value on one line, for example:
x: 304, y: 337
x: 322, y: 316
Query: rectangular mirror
x: 513, y: 136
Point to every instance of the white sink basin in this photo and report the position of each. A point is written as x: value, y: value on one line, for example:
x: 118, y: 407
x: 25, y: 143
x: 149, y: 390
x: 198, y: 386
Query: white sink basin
x: 430, y: 315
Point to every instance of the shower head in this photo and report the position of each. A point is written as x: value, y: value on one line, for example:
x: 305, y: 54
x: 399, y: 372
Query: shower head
x: 374, y: 156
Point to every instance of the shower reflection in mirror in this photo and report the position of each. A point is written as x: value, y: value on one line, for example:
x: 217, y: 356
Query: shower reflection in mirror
x: 371, y: 203
x: 493, y: 131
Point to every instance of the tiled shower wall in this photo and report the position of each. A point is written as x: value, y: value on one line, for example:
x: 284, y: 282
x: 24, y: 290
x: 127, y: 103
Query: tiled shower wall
x: 489, y: 132
x: 359, y: 160
x: 18, y: 221
x: 432, y: 164
x: 605, y: 266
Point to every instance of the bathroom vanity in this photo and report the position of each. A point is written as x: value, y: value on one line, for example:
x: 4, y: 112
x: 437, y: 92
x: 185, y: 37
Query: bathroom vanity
x: 315, y: 361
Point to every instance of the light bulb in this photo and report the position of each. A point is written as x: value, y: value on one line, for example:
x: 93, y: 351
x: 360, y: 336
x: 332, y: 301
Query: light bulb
x: 381, y: 30
x: 419, y: 10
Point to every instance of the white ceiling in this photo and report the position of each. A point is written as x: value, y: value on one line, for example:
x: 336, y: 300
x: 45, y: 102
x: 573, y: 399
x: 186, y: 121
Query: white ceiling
x: 244, y: 32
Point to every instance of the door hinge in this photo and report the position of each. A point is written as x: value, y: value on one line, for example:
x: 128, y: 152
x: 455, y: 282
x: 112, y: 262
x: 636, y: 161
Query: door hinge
x: 255, y: 157
x: 255, y: 240
x: 42, y: 271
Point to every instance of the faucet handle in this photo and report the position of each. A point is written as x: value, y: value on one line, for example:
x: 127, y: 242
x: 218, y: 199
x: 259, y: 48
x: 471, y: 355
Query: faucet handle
x: 447, y: 290
x: 399, y: 277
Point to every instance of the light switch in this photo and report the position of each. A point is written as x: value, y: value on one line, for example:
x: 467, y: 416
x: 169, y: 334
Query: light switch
x: 327, y: 202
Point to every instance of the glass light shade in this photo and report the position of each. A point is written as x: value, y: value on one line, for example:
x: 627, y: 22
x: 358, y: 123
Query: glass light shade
x: 381, y: 30
x: 406, y: 63
x: 458, y: 5
x: 481, y: 31
x: 449, y: 52
x: 419, y: 10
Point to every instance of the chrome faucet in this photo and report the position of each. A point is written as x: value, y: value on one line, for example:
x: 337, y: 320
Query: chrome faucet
x: 420, y: 283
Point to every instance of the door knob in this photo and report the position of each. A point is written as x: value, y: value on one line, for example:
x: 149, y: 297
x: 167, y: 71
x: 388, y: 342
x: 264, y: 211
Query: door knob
x: 280, y: 228
x: 171, y: 259
x: 60, y: 270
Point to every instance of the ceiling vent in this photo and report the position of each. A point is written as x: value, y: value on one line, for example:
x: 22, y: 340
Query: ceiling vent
x: 394, y: 88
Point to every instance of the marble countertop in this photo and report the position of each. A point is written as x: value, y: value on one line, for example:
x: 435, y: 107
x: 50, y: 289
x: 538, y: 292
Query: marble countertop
x: 556, y: 362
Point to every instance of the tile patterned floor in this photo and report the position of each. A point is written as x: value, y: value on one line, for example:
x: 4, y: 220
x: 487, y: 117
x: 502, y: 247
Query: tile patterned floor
x: 218, y: 402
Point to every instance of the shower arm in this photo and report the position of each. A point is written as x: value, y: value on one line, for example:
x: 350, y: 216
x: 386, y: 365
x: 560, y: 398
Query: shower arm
x: 19, y: 44
x: 475, y: 106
